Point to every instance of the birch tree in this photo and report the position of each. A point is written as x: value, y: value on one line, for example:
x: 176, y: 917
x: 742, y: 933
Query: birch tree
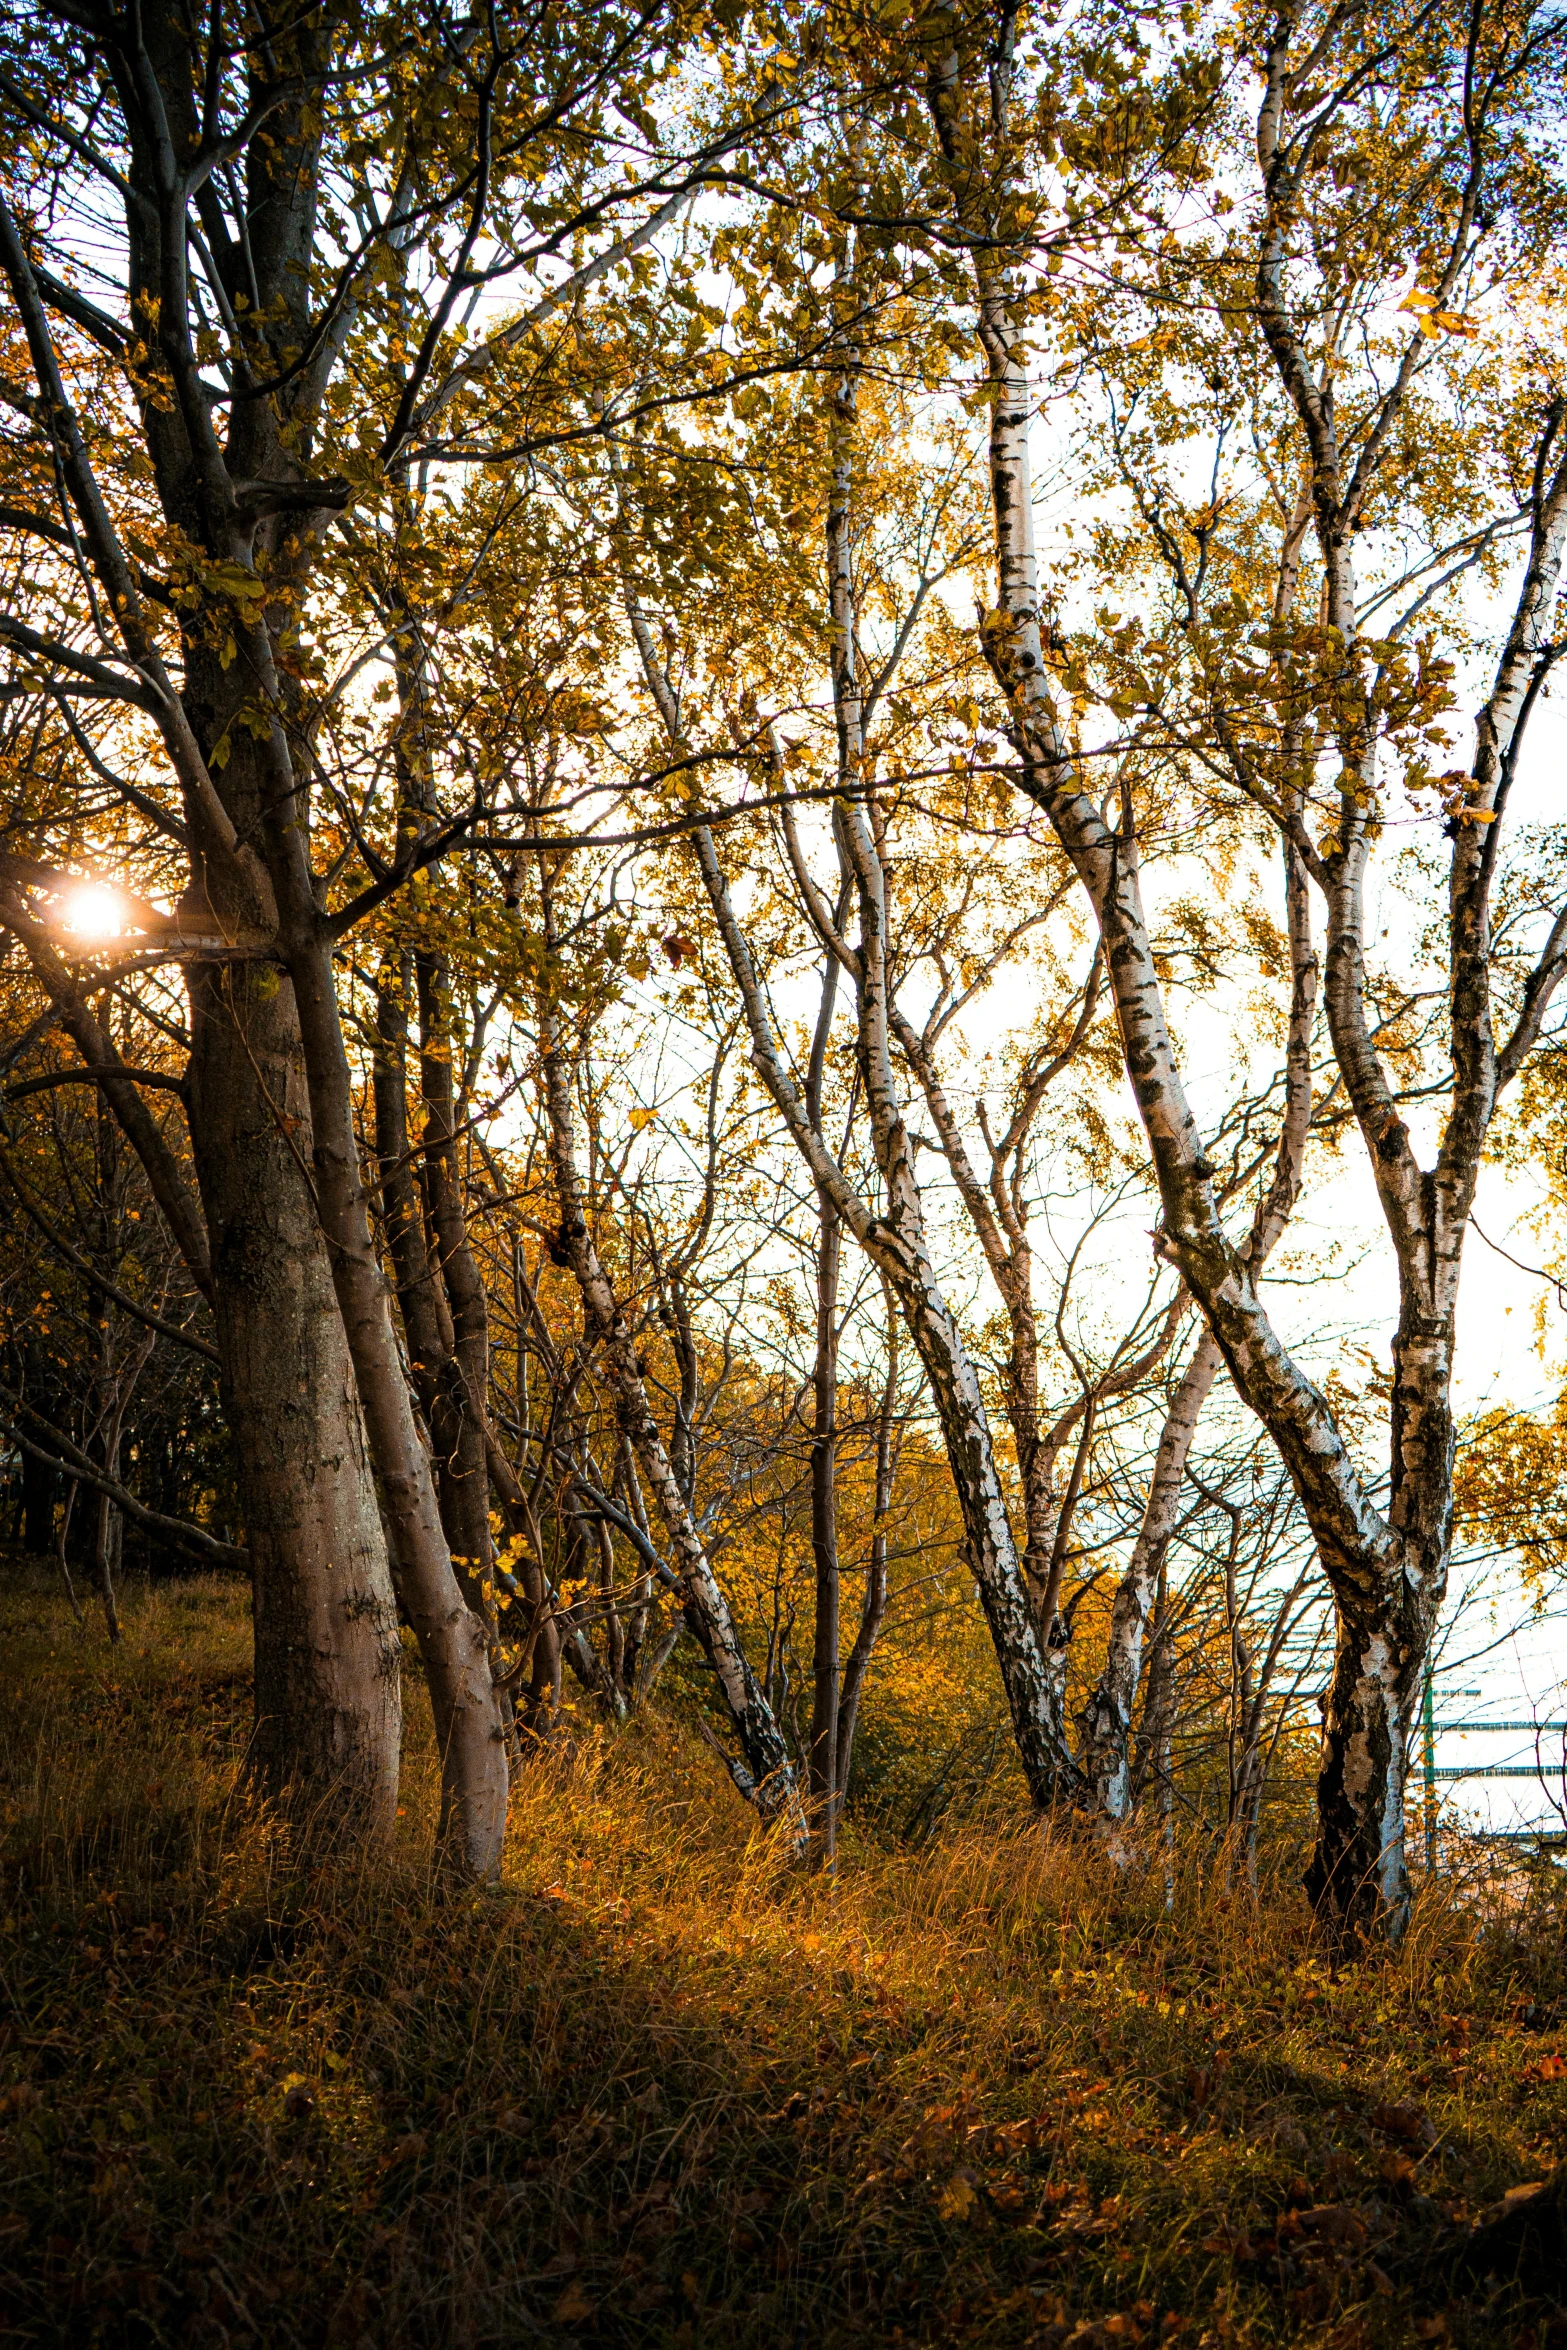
x: 1434, y: 118
x: 868, y: 485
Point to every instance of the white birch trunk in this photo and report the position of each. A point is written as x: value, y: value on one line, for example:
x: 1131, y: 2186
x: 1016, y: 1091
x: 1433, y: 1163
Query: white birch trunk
x: 1107, y: 1718
x: 1387, y: 1574
x: 896, y: 1243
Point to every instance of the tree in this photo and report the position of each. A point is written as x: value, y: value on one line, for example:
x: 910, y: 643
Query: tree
x: 1432, y: 115
x: 895, y: 527
x: 248, y: 367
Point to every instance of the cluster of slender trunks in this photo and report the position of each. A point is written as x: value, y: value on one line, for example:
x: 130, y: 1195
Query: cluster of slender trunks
x: 366, y: 1461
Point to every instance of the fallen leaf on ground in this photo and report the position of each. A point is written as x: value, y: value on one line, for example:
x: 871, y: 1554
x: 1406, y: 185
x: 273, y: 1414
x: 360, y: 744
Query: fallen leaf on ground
x: 958, y: 2196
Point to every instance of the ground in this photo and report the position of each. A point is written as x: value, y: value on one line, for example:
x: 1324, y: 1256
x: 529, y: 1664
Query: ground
x: 660, y: 2089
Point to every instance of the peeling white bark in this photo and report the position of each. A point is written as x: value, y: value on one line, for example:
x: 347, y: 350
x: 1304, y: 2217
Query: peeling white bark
x: 895, y: 1240
x: 1106, y: 1720
x: 1387, y: 1573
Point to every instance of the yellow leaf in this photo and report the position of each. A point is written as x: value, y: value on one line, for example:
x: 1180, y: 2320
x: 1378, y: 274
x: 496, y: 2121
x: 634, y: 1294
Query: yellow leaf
x: 958, y: 2197
x: 641, y: 1118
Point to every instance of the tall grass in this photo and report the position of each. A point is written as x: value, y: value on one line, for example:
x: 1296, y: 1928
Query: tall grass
x: 659, y: 2088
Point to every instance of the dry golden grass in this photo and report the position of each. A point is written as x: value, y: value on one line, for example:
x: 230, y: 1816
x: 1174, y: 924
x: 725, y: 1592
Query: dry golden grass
x: 657, y: 2089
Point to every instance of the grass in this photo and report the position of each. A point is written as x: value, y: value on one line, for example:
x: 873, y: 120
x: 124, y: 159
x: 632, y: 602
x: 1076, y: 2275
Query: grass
x: 658, y: 2090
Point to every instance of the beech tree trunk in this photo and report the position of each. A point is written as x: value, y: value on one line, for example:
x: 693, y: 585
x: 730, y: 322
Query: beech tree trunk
x: 328, y: 1702
x: 328, y: 1708
x: 223, y: 156
x: 454, y: 1642
x: 326, y: 1656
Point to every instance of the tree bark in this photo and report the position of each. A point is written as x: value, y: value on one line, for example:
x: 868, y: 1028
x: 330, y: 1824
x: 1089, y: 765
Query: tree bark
x: 895, y: 1240
x: 826, y: 1791
x: 824, y: 1530
x: 326, y: 1655
x: 415, y: 1243
x: 328, y: 1710
x: 328, y: 1703
x: 453, y: 1641
x: 874, y: 1606
x: 1107, y: 1718
x: 896, y: 1243
x: 458, y: 1428
x: 1386, y: 1593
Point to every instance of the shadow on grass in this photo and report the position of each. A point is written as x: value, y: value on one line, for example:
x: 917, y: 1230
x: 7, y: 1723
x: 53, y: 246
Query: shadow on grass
x: 659, y: 2090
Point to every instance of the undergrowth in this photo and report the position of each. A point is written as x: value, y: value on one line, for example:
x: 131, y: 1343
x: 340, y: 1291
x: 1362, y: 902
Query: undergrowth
x: 659, y: 2089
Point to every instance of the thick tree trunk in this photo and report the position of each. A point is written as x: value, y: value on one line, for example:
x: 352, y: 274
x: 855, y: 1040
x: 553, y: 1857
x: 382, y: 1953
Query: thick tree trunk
x: 453, y: 1641
x: 326, y: 1654
x: 1358, y: 1872
x: 232, y: 728
x: 328, y: 1706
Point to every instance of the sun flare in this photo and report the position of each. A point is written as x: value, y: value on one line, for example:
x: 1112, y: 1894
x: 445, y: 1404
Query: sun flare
x: 95, y: 912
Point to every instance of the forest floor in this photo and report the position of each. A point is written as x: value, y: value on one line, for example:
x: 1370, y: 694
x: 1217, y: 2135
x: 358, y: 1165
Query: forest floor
x: 657, y: 2089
